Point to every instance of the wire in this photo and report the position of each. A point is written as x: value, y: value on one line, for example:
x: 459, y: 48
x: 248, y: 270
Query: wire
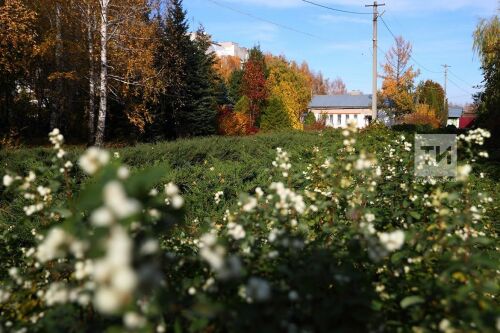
x: 459, y: 87
x: 411, y: 57
x: 457, y: 77
x: 265, y: 20
x: 335, y: 9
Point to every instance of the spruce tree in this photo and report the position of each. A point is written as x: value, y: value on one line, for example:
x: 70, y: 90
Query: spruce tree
x: 200, y: 118
x: 274, y: 117
x: 192, y: 89
x: 173, y: 62
x: 235, y: 84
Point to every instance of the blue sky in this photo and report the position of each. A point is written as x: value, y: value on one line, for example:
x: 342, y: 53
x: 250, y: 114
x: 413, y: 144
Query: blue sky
x: 440, y: 31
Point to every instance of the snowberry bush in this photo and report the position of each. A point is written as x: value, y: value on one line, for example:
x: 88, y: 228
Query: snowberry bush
x: 353, y: 242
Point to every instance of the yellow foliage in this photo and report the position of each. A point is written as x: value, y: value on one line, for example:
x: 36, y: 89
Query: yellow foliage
x: 424, y: 115
x: 132, y: 59
x: 17, y: 41
x: 291, y: 86
x: 398, y: 77
x: 139, y: 116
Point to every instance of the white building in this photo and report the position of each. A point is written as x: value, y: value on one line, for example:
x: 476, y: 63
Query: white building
x: 454, y: 114
x: 339, y: 110
x: 225, y: 49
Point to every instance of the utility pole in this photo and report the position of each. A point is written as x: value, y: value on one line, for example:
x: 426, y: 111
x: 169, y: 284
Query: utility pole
x: 445, y: 83
x: 375, y: 64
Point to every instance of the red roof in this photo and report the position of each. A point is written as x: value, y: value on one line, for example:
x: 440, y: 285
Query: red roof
x: 467, y: 121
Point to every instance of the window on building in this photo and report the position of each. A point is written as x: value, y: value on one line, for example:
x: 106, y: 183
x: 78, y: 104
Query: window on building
x: 346, y: 118
x: 331, y: 119
x: 339, y: 119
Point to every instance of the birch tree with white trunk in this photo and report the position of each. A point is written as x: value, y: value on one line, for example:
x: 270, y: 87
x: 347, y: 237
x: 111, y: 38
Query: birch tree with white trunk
x: 103, y: 88
x: 126, y: 61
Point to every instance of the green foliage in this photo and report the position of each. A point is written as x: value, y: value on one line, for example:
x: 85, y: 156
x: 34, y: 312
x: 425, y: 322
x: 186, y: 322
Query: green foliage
x: 432, y: 94
x: 487, y: 45
x: 256, y: 55
x: 275, y: 117
x: 234, y: 89
x: 172, y: 57
x: 188, y: 106
x: 309, y: 119
x: 199, y: 117
x: 243, y: 105
x: 290, y: 86
x: 335, y: 234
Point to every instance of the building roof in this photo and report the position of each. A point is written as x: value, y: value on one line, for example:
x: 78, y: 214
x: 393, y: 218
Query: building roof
x: 341, y: 101
x: 455, y: 112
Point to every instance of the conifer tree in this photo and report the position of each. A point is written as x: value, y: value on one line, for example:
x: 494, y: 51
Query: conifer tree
x: 275, y: 117
x: 191, y: 87
x: 201, y: 115
x: 234, y: 86
x: 172, y: 60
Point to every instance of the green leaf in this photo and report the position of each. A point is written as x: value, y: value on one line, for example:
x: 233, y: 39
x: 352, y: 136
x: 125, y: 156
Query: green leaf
x: 411, y: 300
x: 397, y: 257
x: 415, y: 215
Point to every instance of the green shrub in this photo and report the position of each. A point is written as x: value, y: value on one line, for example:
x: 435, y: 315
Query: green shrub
x: 335, y: 234
x: 309, y: 119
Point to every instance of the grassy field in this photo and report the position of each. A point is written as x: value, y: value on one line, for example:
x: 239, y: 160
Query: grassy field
x: 234, y: 165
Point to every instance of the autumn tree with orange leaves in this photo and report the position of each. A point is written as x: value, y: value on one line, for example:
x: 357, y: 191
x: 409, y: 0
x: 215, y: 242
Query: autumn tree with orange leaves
x: 254, y: 82
x: 226, y: 65
x: 17, y: 48
x: 398, y: 85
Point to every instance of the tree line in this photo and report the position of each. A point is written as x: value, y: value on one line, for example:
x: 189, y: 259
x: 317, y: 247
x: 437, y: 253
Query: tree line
x: 102, y: 69
x: 133, y: 70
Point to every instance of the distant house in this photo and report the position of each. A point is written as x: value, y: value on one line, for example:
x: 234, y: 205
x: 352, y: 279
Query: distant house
x: 339, y: 110
x: 468, y: 118
x: 454, y: 114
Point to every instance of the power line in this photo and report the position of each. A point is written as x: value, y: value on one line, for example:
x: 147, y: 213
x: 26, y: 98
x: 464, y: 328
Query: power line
x: 265, y: 20
x: 463, y: 81
x: 335, y: 9
x: 411, y: 57
x: 431, y: 71
x: 459, y: 87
